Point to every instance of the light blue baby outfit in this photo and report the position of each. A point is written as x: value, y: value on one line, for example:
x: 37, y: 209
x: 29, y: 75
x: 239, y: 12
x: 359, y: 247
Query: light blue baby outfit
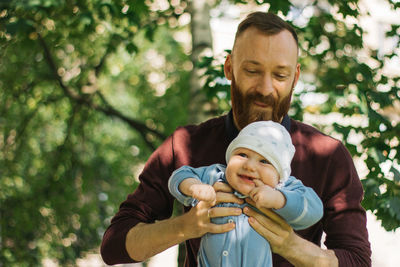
x: 243, y: 246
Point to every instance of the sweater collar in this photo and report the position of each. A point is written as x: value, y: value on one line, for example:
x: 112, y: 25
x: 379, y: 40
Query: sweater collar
x: 232, y: 131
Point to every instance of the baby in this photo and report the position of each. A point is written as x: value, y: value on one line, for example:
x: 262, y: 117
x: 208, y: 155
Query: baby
x: 259, y: 168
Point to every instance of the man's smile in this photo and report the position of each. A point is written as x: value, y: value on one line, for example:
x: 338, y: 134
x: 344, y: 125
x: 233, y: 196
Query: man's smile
x: 261, y: 104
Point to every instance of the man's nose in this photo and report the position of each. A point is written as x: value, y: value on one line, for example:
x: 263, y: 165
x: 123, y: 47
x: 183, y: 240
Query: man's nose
x: 265, y: 86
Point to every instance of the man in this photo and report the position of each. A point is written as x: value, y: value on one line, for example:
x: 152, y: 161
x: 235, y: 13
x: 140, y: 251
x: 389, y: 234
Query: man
x: 263, y: 70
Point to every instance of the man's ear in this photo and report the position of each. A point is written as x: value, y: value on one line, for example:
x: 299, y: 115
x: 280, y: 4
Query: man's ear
x: 297, y: 74
x: 228, y: 67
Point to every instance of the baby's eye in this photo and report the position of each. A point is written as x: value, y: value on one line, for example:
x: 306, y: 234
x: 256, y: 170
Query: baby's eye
x: 264, y: 161
x: 242, y: 155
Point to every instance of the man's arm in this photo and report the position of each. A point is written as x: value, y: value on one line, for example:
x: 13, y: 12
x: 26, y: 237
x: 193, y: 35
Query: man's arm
x: 344, y: 221
x: 285, y: 242
x: 342, y: 192
x: 143, y: 240
x: 146, y: 240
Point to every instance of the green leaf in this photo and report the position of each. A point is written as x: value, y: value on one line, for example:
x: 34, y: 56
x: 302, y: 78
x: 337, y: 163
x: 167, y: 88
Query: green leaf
x: 132, y: 48
x: 396, y: 174
x: 20, y: 26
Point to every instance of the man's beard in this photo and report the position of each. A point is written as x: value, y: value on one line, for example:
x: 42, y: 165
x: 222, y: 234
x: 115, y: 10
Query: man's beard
x: 245, y: 113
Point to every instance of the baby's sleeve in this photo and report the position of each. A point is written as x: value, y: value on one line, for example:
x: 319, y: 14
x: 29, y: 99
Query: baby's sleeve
x: 303, y: 207
x: 207, y: 175
x: 177, y: 177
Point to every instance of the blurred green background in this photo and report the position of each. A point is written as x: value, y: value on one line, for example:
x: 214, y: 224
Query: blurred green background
x: 88, y: 89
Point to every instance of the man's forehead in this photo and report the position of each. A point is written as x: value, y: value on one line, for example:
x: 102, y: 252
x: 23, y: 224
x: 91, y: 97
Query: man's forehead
x: 248, y: 37
x: 253, y: 44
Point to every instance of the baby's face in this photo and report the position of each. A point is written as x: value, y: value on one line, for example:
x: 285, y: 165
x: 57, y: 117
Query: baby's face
x: 245, y: 166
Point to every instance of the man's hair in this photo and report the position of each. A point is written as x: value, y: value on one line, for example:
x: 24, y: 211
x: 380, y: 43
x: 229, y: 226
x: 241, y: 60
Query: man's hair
x: 268, y: 23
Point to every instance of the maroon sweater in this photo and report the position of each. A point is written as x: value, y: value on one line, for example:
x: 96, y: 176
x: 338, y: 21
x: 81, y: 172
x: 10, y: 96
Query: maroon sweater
x: 320, y: 162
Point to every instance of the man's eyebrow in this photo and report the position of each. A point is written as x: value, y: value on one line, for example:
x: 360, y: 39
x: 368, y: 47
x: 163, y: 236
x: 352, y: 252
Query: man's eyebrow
x: 284, y: 67
x: 255, y: 62
x: 251, y: 61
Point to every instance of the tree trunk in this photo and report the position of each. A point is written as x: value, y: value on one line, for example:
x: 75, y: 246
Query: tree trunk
x: 199, y: 108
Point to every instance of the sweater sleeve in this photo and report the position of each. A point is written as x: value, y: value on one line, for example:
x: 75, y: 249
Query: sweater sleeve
x: 303, y: 207
x: 344, y: 221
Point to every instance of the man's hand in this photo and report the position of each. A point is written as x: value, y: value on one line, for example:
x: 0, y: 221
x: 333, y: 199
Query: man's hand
x: 146, y: 240
x: 272, y: 227
x: 285, y: 242
x: 198, y: 219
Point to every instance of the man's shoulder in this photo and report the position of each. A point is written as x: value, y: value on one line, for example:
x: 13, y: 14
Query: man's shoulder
x: 306, y: 135
x: 201, y: 144
x: 212, y: 124
x: 303, y: 129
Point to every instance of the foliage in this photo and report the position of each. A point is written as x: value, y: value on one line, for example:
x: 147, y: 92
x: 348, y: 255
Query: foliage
x: 351, y: 78
x: 80, y: 112
x: 87, y: 93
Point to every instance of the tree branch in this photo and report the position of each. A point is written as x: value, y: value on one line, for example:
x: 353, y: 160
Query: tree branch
x: 108, y: 110
x: 99, y: 66
x: 139, y: 126
x: 49, y: 59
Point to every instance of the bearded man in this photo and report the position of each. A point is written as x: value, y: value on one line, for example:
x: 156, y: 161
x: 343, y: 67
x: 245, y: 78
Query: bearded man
x: 263, y: 69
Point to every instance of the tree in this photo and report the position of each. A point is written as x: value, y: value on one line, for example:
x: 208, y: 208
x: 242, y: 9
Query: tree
x: 201, y: 43
x: 80, y: 81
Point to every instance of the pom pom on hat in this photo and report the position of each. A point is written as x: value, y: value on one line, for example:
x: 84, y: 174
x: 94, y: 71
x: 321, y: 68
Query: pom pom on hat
x: 269, y: 139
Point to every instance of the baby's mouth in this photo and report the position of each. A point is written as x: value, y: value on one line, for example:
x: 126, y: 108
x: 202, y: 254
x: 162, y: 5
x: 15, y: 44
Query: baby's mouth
x: 246, y: 179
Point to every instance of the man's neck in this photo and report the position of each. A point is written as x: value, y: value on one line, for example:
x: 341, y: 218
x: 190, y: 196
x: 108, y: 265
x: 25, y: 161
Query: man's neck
x: 233, y: 130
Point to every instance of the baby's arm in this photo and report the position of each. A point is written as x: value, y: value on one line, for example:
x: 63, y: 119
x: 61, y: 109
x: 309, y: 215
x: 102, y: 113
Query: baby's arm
x: 187, y: 193
x: 267, y: 197
x: 303, y: 207
x: 196, y: 189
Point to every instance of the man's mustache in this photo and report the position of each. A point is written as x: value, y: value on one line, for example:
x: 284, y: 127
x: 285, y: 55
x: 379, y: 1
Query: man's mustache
x: 267, y: 100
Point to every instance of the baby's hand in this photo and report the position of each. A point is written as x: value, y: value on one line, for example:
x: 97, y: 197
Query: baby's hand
x: 266, y: 196
x: 203, y: 192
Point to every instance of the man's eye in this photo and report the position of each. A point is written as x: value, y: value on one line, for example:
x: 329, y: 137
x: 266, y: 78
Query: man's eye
x: 251, y: 71
x: 281, y: 76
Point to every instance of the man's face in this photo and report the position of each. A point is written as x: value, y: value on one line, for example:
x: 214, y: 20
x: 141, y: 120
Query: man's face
x: 263, y: 70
